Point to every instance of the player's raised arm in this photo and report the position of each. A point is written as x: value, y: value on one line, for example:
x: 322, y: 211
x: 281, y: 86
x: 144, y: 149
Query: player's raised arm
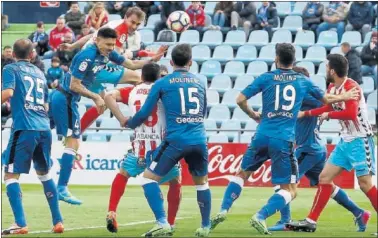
x: 251, y: 90
x: 8, y: 85
x: 138, y: 64
x: 77, y: 45
x: 118, y: 95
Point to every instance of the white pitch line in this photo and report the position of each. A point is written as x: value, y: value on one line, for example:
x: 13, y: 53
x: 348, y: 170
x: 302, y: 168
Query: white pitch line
x: 97, y: 227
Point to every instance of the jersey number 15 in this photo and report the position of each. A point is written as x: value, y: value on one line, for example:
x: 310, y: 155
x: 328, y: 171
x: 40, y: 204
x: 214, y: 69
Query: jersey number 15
x: 191, y: 98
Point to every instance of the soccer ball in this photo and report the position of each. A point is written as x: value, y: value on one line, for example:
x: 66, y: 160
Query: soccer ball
x: 178, y: 21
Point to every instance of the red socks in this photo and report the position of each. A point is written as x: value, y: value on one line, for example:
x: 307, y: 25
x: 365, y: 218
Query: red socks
x: 174, y: 199
x: 88, y: 118
x: 372, y: 195
x: 118, y: 188
x: 321, y: 199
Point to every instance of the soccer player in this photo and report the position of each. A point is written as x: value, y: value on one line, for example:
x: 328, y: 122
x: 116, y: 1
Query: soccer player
x: 355, y: 149
x: 26, y: 87
x: 64, y: 101
x: 283, y: 91
x: 311, y: 155
x: 183, y: 96
x: 147, y: 137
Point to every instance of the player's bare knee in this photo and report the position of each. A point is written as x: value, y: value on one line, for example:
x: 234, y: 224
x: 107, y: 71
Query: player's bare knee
x: 365, y: 183
x: 243, y: 174
x: 41, y: 173
x: 72, y: 143
x: 8, y: 176
x: 151, y: 176
x: 325, y: 178
x: 200, y: 180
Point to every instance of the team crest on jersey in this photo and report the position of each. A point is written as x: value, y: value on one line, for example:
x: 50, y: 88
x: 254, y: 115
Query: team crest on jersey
x: 122, y: 39
x: 83, y: 66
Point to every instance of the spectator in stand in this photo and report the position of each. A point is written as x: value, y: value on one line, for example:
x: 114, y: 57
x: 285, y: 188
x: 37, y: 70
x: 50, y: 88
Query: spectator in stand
x: 118, y: 7
x: 40, y: 39
x: 163, y: 71
x: 36, y: 60
x: 312, y: 16
x: 334, y: 16
x: 74, y: 18
x: 369, y: 57
x: 166, y: 9
x: 56, y: 37
x: 55, y: 74
x: 133, y: 45
x: 97, y: 16
x: 85, y: 30
x: 66, y: 57
x: 89, y: 6
x: 197, y: 16
x: 148, y: 7
x: 354, y: 61
x: 222, y: 15
x: 244, y: 14
x: 267, y: 17
x: 7, y: 56
x: 360, y: 17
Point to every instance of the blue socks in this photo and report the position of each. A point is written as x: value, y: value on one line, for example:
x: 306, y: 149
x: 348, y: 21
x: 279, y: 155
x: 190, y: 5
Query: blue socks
x: 15, y: 200
x: 154, y: 197
x: 285, y: 212
x: 204, y: 203
x: 232, y: 192
x: 51, y: 194
x: 276, y: 202
x: 66, y: 164
x: 342, y: 198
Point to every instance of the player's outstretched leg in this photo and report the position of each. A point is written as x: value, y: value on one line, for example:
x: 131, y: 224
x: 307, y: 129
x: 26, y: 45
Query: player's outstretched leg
x: 88, y: 118
x: 15, y: 199
x: 204, y: 203
x: 285, y: 216
x: 174, y: 199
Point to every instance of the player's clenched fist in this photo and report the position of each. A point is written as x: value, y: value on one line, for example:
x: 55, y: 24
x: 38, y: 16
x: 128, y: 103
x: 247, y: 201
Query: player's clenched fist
x: 100, y: 105
x: 160, y: 53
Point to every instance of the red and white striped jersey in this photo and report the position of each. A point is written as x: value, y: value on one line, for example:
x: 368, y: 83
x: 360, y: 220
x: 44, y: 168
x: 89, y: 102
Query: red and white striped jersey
x: 150, y: 134
x: 351, y: 129
x: 120, y: 27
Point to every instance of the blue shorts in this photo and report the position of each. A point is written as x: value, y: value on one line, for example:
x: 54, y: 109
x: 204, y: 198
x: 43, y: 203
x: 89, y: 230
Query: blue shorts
x: 358, y: 154
x: 168, y: 154
x: 64, y: 114
x: 25, y: 147
x: 281, y: 153
x: 135, y: 166
x: 311, y: 164
x: 111, y: 74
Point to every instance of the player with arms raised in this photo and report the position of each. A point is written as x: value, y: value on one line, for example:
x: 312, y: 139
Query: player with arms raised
x: 25, y: 85
x: 148, y: 136
x: 184, y: 99
x: 355, y: 149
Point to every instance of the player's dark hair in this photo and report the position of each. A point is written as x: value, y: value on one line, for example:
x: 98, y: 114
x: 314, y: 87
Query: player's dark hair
x: 285, y: 53
x: 182, y: 54
x: 301, y: 70
x: 150, y: 72
x: 339, y: 64
x: 107, y: 33
x: 22, y: 48
x: 7, y: 47
x: 135, y: 11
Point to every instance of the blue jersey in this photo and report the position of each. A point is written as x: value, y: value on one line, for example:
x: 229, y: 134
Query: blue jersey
x: 282, y: 95
x: 55, y: 74
x: 29, y: 96
x: 86, y: 64
x: 307, y: 128
x: 184, y: 99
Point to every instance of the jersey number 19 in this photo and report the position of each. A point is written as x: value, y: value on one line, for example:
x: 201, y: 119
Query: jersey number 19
x: 286, y: 96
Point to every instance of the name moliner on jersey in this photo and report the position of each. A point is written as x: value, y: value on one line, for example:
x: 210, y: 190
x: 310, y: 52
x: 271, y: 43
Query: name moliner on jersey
x: 184, y: 80
x: 285, y: 77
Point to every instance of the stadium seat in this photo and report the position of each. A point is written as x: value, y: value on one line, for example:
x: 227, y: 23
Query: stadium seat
x: 194, y: 68
x: 153, y: 47
x: 319, y: 81
x: 218, y: 138
x: 298, y: 8
x: 174, y: 38
x: 281, y: 36
x: 152, y: 20
x: 251, y: 125
x: 298, y: 53
x: 322, y: 69
x: 211, y: 127
x: 211, y: 68
x: 359, y: 49
x: 221, y: 83
x: 111, y: 123
x: 316, y: 54
x: 246, y: 138
x: 292, y: 23
x: 328, y: 39
x: 191, y: 37
x: 82, y: 6
x: 372, y: 100
x: 256, y: 68
x: 167, y: 63
x: 372, y: 116
x: 208, y: 20
x: 201, y: 53
x: 283, y: 8
x: 209, y: 7
x: 246, y: 53
x: 330, y: 126
x: 234, y: 69
x: 187, y: 4
x: 125, y: 109
x: 305, y: 39
x: 95, y: 137
x: 308, y: 65
x: 240, y: 116
x: 212, y: 97
x: 367, y: 85
x: 267, y: 54
x: 258, y: 38
x: 212, y: 38
x: 147, y: 35
x: 114, y: 17
x: 273, y: 67
x: 231, y: 125
x: 229, y: 98
x: 235, y: 38
x: 243, y: 81
x: 120, y: 137
x: 203, y: 78
x: 82, y: 109
x: 54, y: 136
x: 336, y: 50
x: 219, y: 113
x: 255, y: 101
x: 47, y: 63
x: 5, y: 134
x: 169, y: 52
x: 367, y: 38
x: 352, y: 37
x: 223, y: 53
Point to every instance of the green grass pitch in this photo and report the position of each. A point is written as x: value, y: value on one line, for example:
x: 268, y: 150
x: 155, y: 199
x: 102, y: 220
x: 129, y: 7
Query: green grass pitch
x: 135, y: 217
